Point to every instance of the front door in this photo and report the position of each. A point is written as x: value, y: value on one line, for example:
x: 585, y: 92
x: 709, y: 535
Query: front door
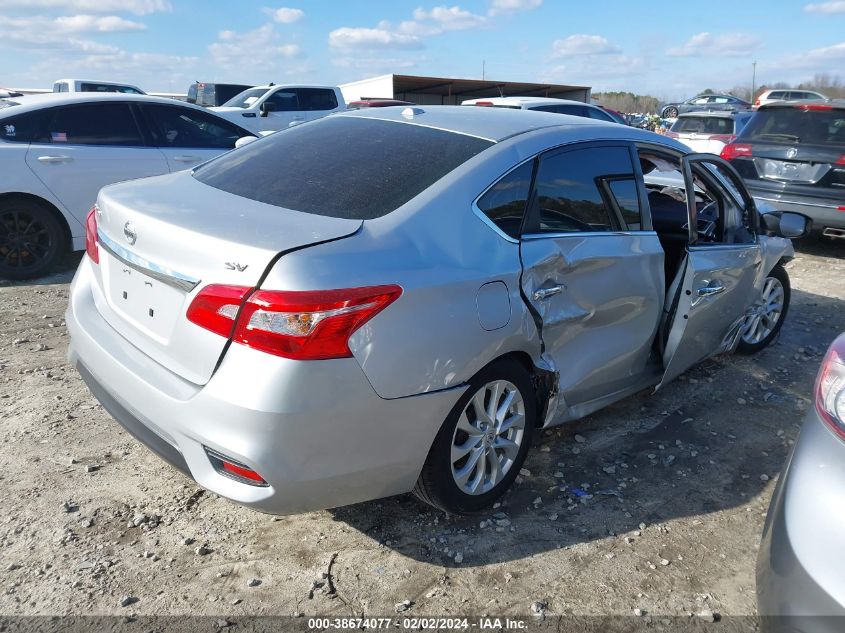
x: 593, y: 279
x: 720, y: 274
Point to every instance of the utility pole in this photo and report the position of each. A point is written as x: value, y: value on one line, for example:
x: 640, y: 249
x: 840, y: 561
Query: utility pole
x: 753, y: 79
x: 483, y: 65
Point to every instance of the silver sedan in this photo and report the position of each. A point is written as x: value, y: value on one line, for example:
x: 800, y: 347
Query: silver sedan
x: 398, y: 299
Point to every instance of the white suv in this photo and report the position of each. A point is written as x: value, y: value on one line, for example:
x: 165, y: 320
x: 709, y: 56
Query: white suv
x: 786, y: 95
x: 270, y: 108
x: 544, y: 104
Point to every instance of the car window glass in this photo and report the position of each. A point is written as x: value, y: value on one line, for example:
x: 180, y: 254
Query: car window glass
x: 93, y: 124
x: 93, y: 87
x: 504, y: 202
x: 247, y: 98
x: 718, y: 202
x: 719, y: 100
x: 777, y: 95
x: 314, y: 99
x: 624, y: 192
x: 24, y: 128
x: 283, y: 101
x: 186, y: 127
x: 343, y: 167
x: 797, y: 124
x: 595, y: 113
x: 570, y: 193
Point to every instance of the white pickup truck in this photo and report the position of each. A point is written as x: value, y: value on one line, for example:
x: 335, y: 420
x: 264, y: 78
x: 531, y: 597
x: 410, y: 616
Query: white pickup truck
x: 276, y: 107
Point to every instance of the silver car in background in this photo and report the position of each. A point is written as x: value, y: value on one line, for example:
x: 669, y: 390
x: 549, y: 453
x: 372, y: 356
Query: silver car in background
x: 394, y: 299
x: 800, y: 582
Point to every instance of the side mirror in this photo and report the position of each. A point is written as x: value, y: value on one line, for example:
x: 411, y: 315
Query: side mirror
x: 245, y: 140
x: 794, y: 225
x: 266, y: 108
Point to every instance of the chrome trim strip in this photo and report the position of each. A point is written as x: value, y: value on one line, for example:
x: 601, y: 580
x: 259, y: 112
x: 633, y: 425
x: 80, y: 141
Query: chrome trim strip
x: 541, y: 236
x: 803, y: 204
x: 481, y: 216
x: 159, y: 273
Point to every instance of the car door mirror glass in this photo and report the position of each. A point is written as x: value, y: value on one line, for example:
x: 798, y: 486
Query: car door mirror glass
x: 793, y: 225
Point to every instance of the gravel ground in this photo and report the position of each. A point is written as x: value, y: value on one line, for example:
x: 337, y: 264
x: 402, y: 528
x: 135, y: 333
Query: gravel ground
x: 670, y: 494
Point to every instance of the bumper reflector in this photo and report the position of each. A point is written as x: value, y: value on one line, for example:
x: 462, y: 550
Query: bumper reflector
x: 228, y: 467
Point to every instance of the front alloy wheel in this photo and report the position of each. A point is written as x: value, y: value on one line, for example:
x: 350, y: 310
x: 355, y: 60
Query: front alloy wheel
x: 482, y: 444
x: 768, y: 313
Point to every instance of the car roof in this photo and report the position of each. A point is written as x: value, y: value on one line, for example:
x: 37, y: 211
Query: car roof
x: 296, y: 86
x: 50, y: 99
x: 96, y: 81
x: 498, y: 124
x: 804, y: 103
x: 523, y: 101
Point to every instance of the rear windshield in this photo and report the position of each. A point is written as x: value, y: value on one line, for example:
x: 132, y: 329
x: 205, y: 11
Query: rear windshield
x: 704, y: 125
x: 343, y: 167
x: 797, y: 125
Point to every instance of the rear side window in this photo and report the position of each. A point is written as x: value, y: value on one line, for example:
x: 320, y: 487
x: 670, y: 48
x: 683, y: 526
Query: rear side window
x: 797, y: 125
x: 311, y: 99
x: 175, y: 126
x: 580, y: 190
x: 704, y: 125
x: 573, y: 110
x: 93, y: 124
x: 341, y: 166
x: 24, y: 128
x: 91, y: 87
x: 504, y: 203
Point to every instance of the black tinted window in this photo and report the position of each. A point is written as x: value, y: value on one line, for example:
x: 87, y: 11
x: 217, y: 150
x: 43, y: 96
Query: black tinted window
x: 504, y: 202
x: 89, y: 87
x: 573, y: 191
x: 799, y: 124
x: 574, y: 110
x: 343, y: 167
x: 624, y: 193
x: 283, y: 101
x: 704, y: 125
x: 186, y: 127
x: 316, y: 99
x: 24, y: 128
x: 93, y: 124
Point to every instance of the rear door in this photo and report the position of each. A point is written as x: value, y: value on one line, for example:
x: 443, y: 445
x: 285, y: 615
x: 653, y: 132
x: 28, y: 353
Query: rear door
x: 82, y: 148
x: 316, y: 103
x: 721, y: 272
x: 188, y: 136
x: 592, y: 276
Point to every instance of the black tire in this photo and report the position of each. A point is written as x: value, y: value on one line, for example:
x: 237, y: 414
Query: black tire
x: 744, y: 347
x: 436, y: 484
x: 32, y: 239
x: 670, y: 113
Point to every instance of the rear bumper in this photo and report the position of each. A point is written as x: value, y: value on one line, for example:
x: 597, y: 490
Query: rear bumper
x: 824, y: 214
x: 315, y: 431
x: 799, y: 568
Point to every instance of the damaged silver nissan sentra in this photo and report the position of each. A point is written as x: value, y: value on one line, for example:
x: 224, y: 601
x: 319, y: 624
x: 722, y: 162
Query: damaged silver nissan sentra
x: 396, y: 299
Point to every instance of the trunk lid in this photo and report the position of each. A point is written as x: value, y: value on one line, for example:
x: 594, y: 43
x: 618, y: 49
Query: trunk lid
x: 163, y: 239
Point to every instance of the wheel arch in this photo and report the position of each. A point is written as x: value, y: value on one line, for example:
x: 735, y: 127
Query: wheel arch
x: 543, y: 381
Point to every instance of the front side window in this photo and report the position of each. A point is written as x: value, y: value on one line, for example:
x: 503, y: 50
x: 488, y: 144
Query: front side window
x: 573, y: 191
x: 92, y: 87
x: 283, y: 101
x: 504, y: 203
x: 93, y: 124
x: 186, y: 127
x: 316, y: 99
x: 341, y: 166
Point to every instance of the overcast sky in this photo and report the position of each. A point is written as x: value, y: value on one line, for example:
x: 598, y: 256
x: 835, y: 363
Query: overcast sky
x: 670, y: 49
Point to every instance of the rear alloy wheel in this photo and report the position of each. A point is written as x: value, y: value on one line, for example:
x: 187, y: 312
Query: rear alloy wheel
x: 31, y: 239
x: 762, y: 326
x: 482, y: 444
x: 671, y: 113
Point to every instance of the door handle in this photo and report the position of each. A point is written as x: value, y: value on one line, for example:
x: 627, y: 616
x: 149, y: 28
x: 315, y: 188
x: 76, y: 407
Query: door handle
x: 713, y: 288
x: 186, y: 159
x: 545, y: 293
x: 54, y: 159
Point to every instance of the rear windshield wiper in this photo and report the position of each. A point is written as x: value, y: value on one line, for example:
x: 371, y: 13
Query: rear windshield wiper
x: 786, y: 137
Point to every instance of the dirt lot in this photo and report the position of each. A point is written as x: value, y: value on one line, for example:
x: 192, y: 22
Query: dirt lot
x: 678, y: 484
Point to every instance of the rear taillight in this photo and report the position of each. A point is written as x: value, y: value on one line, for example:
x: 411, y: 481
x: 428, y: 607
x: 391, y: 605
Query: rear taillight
x: 736, y: 150
x: 216, y: 307
x: 830, y: 387
x: 815, y: 107
x: 757, y: 103
x: 484, y: 103
x: 841, y: 160
x: 91, y: 236
x: 302, y: 325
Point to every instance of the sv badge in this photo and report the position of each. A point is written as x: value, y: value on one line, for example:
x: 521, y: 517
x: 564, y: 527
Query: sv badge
x: 235, y: 266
